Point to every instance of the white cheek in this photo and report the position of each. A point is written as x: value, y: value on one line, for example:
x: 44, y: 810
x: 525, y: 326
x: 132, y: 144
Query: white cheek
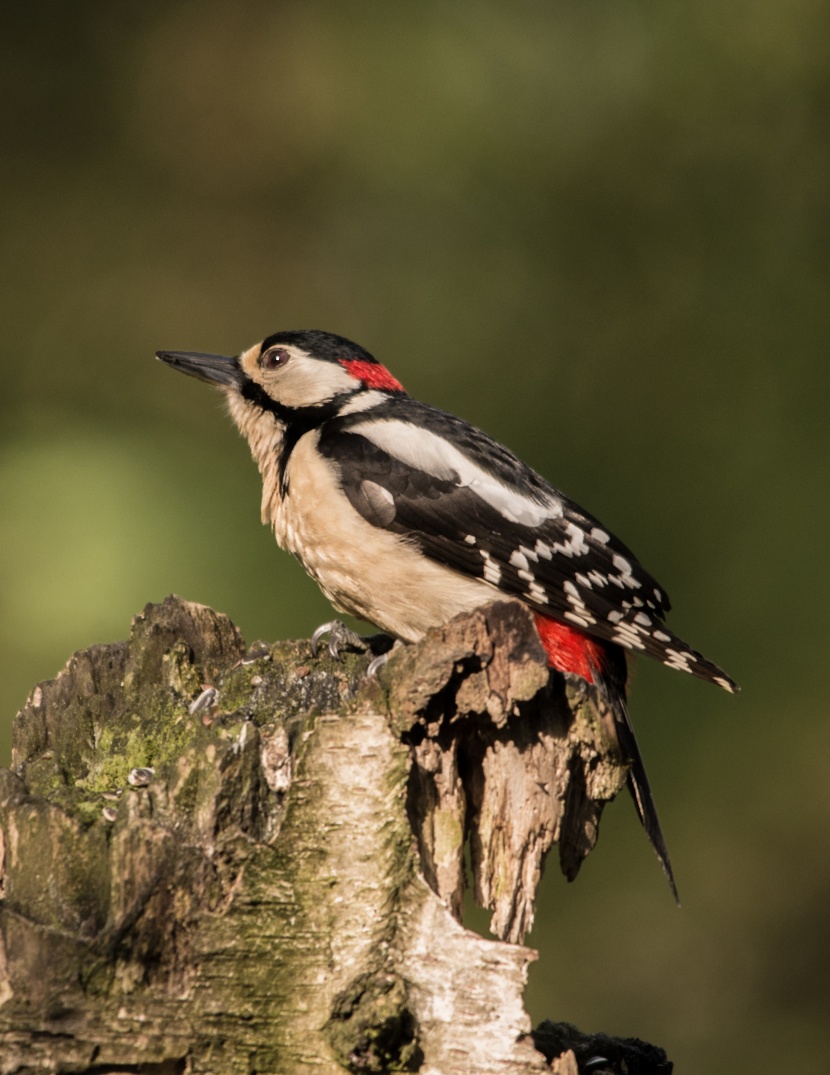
x: 302, y: 381
x: 314, y: 381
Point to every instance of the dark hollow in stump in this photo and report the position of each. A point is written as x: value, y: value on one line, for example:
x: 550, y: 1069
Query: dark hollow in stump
x: 207, y: 856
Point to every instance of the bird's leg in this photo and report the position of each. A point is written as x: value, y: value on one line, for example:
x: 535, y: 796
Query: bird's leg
x: 342, y: 638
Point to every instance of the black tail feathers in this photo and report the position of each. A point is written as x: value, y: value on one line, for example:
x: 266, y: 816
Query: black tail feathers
x: 610, y: 683
x: 640, y: 789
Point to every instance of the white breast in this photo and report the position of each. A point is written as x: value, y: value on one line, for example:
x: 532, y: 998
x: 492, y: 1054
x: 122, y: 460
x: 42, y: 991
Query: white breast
x: 362, y: 569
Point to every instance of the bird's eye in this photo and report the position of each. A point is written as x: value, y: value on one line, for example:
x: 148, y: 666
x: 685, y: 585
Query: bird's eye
x: 273, y: 359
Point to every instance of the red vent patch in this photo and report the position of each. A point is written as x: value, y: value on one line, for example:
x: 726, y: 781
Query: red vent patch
x: 570, y: 650
x: 371, y: 374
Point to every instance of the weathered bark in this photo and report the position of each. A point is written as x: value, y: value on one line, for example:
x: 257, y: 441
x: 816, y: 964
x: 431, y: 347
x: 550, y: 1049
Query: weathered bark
x: 260, y: 904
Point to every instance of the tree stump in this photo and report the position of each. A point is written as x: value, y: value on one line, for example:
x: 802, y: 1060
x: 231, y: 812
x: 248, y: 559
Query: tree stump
x: 220, y: 860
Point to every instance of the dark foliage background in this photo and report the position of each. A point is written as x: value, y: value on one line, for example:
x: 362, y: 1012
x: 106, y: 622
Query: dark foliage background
x: 599, y: 230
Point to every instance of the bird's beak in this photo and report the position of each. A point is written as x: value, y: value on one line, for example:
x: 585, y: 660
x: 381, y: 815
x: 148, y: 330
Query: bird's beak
x: 215, y: 369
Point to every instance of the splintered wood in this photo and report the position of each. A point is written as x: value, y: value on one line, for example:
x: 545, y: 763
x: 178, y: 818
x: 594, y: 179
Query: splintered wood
x: 506, y: 759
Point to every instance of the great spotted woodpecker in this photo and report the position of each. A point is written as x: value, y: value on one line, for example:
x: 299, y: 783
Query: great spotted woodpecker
x: 407, y: 516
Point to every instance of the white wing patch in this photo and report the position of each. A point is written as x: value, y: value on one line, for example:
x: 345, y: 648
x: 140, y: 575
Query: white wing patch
x: 426, y: 451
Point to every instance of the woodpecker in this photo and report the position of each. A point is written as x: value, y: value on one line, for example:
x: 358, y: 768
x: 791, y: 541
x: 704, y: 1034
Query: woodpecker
x: 407, y: 516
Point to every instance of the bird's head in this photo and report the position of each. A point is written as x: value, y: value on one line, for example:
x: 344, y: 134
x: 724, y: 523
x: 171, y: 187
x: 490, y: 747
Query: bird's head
x: 294, y: 376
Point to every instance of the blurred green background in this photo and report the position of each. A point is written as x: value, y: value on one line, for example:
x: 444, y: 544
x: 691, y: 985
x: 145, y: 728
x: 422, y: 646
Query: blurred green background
x: 600, y: 231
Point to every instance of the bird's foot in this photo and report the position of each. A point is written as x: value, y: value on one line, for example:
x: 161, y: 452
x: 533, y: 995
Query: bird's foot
x: 343, y: 638
x: 340, y: 638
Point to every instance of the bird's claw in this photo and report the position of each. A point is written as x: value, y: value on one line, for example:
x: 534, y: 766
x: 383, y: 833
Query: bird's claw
x: 379, y: 662
x: 341, y: 638
x: 376, y: 664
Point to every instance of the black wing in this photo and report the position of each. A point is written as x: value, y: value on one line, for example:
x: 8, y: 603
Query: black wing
x: 470, y: 504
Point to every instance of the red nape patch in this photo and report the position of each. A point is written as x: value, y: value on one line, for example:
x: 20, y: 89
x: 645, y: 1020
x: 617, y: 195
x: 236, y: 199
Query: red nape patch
x: 570, y: 650
x: 371, y: 374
